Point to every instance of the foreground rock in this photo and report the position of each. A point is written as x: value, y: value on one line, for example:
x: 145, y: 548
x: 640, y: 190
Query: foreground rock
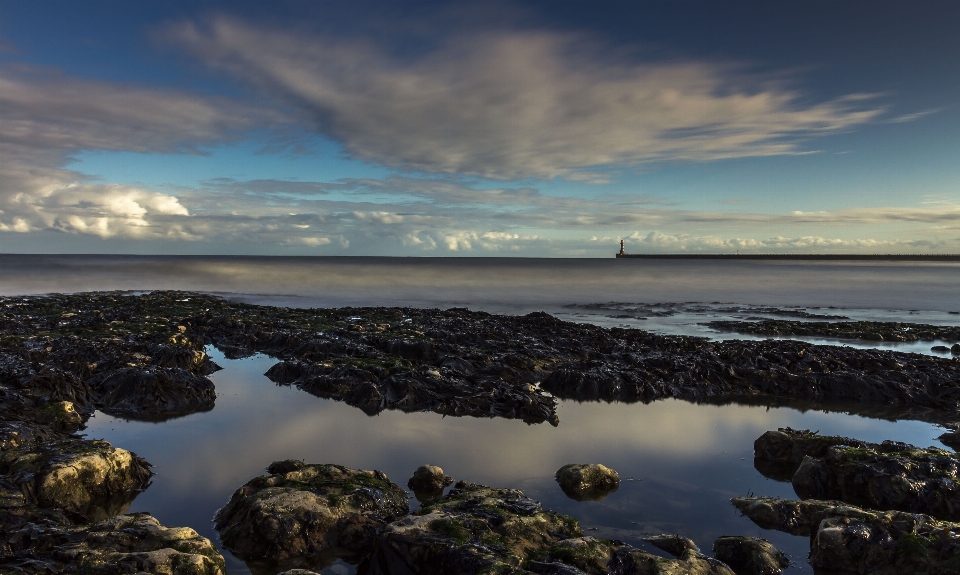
x: 587, y: 481
x: 477, y: 529
x: 90, y: 478
x: 302, y: 510
x: 750, y: 555
x: 135, y: 543
x: 849, y: 539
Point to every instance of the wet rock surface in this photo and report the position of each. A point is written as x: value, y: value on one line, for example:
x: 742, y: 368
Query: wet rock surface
x: 862, y: 330
x: 309, y: 510
x: 750, y: 555
x: 849, y: 539
x: 587, y: 481
x: 673, y: 544
x: 778, y: 454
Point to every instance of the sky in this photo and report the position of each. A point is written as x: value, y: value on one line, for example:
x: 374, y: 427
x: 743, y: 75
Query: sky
x: 531, y: 129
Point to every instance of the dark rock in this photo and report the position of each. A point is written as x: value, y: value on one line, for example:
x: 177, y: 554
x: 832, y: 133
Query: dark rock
x: 951, y: 439
x: 848, y: 539
x: 587, y: 481
x: 955, y: 349
x: 778, y: 454
x: 146, y: 393
x: 750, y: 555
x: 940, y: 349
x: 310, y: 510
x: 890, y: 475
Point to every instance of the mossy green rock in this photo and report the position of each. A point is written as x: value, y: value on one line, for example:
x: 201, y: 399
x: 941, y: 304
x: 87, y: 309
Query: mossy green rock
x: 135, y: 543
x: 302, y: 510
x: 849, y: 539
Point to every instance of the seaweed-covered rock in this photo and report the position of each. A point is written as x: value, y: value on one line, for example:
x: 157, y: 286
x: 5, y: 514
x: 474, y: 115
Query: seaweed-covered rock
x: 890, y: 475
x: 472, y: 529
x: 429, y: 480
x: 587, y: 481
x: 92, y: 478
x: 154, y: 392
x: 135, y: 543
x: 750, y: 555
x: 849, y: 539
x: 300, y: 510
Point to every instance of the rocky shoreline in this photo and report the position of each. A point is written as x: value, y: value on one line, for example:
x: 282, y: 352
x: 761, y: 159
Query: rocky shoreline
x: 141, y: 356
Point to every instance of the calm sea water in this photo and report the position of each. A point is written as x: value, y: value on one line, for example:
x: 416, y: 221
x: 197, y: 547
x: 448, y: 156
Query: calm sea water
x: 680, y: 462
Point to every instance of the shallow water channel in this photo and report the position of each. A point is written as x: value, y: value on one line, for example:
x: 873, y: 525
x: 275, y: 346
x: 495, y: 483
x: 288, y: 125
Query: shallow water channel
x: 679, y: 463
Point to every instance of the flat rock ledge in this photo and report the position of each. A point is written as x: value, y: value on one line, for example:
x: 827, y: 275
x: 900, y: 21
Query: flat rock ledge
x: 302, y: 510
x: 888, y: 475
x: 850, y: 539
x: 587, y: 481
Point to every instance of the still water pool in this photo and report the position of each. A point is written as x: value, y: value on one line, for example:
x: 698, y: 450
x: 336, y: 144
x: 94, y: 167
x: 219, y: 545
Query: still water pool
x: 679, y: 462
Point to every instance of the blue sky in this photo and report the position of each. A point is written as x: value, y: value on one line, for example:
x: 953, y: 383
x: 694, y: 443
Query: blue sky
x: 545, y: 129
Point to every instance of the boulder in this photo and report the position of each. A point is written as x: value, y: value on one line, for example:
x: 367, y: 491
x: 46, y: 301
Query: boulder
x: 890, y: 475
x: 470, y: 530
x: 750, y: 555
x: 587, y: 481
x: 91, y: 478
x: 135, y: 543
x: 302, y: 510
x: 955, y: 349
x: 849, y: 539
x: 429, y: 479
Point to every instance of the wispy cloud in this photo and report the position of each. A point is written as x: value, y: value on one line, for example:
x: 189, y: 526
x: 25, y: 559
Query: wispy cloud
x: 661, y: 242
x: 915, y: 115
x: 519, y: 104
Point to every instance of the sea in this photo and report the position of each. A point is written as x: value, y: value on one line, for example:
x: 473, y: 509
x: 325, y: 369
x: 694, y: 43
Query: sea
x: 679, y: 462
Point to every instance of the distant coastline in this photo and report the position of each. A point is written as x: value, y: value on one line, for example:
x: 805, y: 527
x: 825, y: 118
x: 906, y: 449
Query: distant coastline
x: 828, y: 257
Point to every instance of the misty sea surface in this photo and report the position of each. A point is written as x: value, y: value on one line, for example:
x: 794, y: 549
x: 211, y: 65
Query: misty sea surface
x: 679, y: 462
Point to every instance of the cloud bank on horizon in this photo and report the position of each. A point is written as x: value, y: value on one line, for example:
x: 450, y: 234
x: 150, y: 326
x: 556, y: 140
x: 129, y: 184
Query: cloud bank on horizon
x: 524, y: 137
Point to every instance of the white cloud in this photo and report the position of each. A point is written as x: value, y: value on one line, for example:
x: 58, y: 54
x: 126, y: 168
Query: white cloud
x: 519, y: 104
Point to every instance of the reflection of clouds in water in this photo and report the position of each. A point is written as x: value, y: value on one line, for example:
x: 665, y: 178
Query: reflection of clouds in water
x: 679, y: 462
x: 256, y: 423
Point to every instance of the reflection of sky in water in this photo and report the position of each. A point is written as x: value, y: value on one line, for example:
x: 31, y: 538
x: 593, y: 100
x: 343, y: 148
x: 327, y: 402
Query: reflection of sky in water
x: 680, y: 463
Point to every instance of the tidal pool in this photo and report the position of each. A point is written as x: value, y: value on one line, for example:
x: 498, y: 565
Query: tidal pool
x: 679, y: 462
